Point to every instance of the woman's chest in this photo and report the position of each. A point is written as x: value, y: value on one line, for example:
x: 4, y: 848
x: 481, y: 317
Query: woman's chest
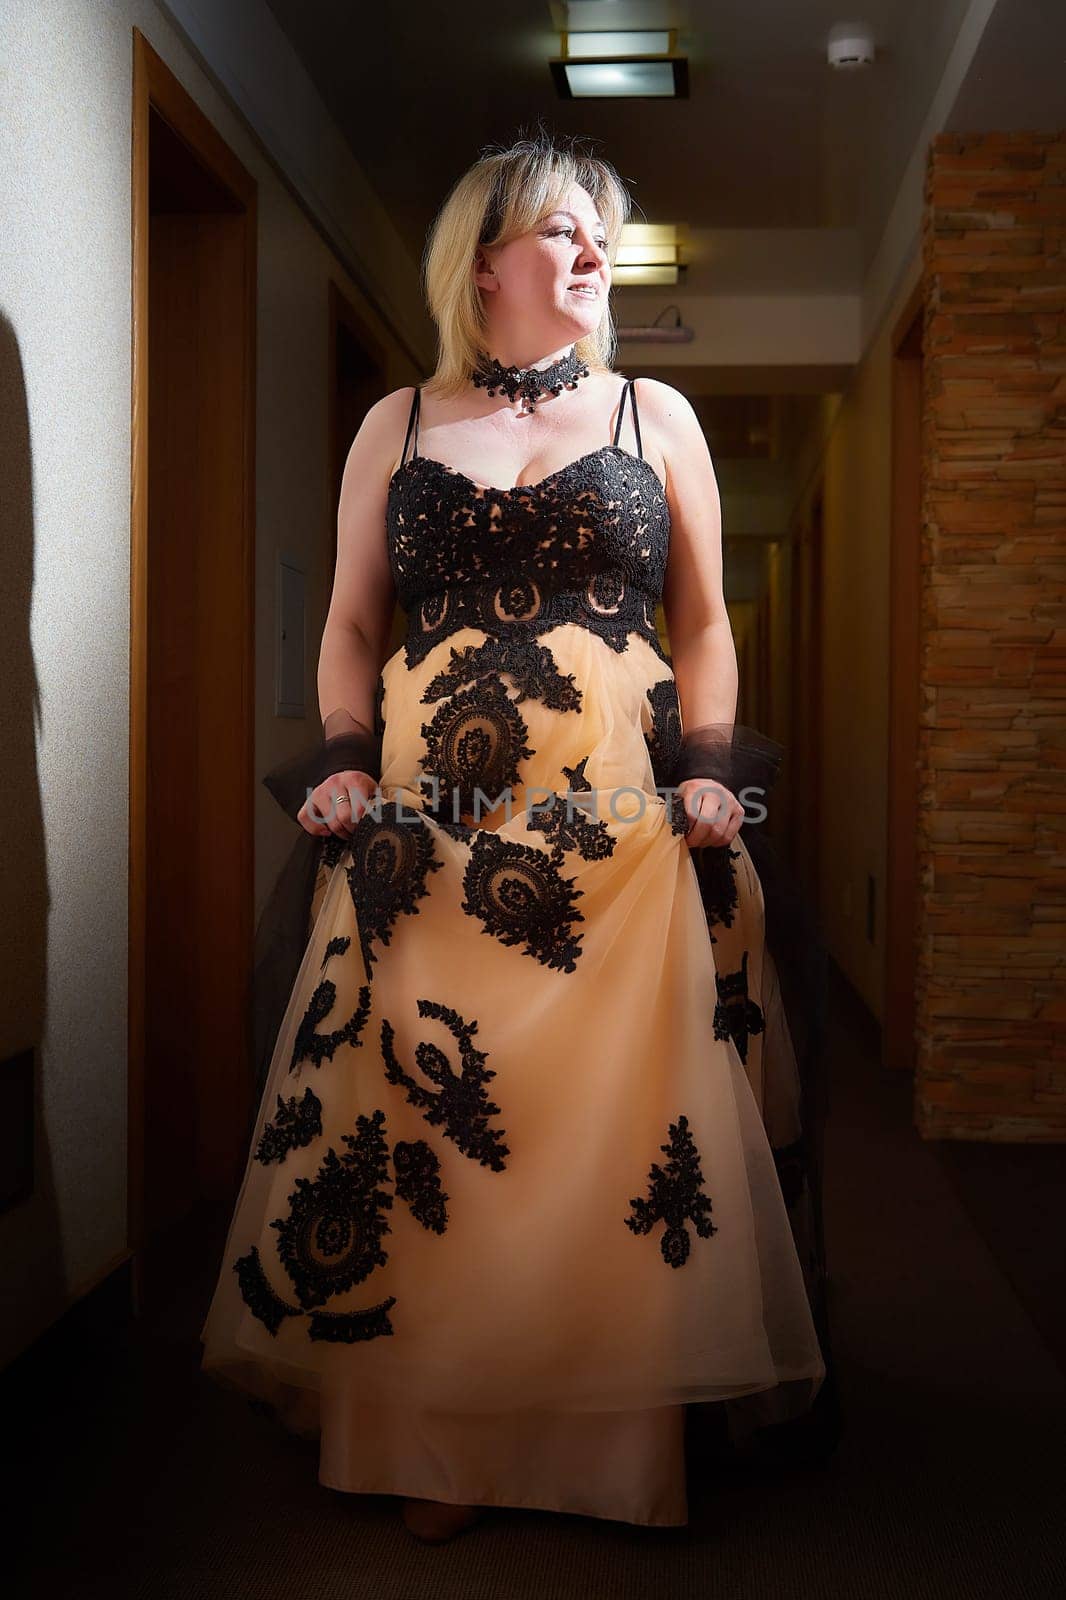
x: 605, y: 511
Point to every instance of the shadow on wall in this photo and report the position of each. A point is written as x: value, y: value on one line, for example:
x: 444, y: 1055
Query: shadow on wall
x: 34, y: 1284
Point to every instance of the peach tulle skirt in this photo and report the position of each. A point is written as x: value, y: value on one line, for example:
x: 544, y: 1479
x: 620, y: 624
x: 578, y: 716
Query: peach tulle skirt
x: 510, y: 1202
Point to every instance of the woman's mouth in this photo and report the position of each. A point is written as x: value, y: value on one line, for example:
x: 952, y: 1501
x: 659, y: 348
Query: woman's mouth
x: 585, y: 289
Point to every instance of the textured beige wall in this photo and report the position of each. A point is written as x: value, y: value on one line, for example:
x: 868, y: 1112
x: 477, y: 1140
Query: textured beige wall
x: 65, y: 109
x: 855, y: 469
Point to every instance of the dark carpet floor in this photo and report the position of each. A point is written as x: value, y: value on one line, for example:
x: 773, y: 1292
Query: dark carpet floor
x: 134, y: 1476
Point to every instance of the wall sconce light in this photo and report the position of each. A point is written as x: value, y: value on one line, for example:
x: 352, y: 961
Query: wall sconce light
x: 627, y: 65
x: 648, y: 252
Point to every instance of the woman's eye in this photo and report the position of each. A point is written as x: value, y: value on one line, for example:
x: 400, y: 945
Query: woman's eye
x: 569, y: 232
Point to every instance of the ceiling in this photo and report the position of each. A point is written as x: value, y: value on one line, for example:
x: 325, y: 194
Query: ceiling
x: 419, y: 87
x: 1017, y: 78
x: 784, y: 170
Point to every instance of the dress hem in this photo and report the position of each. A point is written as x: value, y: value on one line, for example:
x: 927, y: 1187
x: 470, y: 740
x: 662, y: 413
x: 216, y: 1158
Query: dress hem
x: 510, y: 1504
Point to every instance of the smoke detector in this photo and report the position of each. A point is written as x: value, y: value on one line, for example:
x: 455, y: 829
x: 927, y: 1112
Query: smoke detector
x: 850, y: 45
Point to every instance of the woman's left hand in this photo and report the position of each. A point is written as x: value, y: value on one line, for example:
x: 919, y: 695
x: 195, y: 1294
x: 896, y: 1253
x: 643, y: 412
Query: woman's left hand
x: 714, y: 811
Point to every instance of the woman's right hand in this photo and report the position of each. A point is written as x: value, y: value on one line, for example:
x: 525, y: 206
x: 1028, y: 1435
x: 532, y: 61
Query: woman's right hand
x: 338, y: 804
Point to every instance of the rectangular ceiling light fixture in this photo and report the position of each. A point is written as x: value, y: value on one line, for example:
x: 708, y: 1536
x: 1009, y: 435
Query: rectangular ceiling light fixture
x: 631, y: 65
x: 648, y: 252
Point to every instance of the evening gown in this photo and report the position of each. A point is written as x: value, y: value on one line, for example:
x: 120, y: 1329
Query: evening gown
x: 510, y: 1202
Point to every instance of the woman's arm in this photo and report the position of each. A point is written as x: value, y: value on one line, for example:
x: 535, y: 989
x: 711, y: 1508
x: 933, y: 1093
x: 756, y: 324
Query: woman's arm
x: 702, y: 651
x: 359, y: 620
x: 701, y: 639
x: 345, y: 768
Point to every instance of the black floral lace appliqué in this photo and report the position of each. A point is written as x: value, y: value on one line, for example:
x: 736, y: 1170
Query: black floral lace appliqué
x: 663, y: 737
x: 530, y: 666
x: 569, y: 827
x: 392, y: 857
x: 606, y: 606
x: 576, y: 775
x: 522, y: 898
x: 736, y: 1014
x: 459, y: 1104
x: 310, y: 1045
x: 331, y: 1238
x: 259, y: 1295
x: 296, y: 1123
x: 718, y: 885
x: 338, y: 1327
x: 331, y: 851
x: 418, y: 1183
x: 674, y: 1197
x: 587, y: 545
x: 474, y: 742
x: 352, y: 1327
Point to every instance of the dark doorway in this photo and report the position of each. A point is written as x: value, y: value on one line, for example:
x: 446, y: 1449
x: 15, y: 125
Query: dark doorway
x: 191, y: 668
x: 805, y: 791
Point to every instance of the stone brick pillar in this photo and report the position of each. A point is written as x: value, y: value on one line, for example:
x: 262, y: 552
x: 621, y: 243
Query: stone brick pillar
x: 991, y: 1003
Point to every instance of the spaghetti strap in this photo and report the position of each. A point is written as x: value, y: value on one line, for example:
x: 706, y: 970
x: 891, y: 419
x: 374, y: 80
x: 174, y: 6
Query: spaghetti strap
x: 636, y: 417
x: 412, y: 426
x: 631, y: 392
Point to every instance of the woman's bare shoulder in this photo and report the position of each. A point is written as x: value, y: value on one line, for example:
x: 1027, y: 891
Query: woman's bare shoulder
x: 661, y: 402
x: 381, y: 434
x: 392, y: 408
x: 670, y: 419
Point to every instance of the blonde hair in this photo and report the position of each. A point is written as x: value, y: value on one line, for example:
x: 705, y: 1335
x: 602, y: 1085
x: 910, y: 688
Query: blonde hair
x: 504, y: 194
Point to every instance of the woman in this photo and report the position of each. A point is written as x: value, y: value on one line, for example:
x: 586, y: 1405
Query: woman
x: 460, y: 1255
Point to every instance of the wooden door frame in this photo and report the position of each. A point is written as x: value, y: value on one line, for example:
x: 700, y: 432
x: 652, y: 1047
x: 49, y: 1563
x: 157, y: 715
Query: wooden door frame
x: 816, y: 537
x: 156, y: 89
x: 764, y: 634
x: 904, y: 668
x: 807, y: 674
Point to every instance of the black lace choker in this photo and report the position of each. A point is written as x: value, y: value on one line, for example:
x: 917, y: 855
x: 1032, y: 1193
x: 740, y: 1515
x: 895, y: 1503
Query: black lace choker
x: 532, y: 383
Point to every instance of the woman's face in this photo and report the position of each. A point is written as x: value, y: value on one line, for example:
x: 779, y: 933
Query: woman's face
x: 554, y: 280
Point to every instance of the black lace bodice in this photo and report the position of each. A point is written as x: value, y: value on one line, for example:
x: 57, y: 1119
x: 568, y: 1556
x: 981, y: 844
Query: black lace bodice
x: 587, y: 544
